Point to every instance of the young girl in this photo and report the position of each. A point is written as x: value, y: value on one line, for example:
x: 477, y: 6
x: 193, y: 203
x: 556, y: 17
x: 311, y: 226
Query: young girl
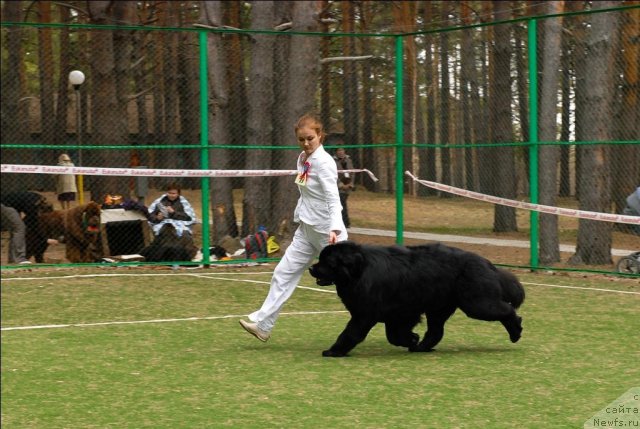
x: 319, y: 215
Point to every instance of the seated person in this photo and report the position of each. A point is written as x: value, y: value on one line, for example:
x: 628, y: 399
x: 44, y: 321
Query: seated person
x: 172, y: 208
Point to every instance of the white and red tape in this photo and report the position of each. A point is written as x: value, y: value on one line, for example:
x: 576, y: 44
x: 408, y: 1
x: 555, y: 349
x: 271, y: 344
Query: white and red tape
x: 608, y: 217
x: 153, y: 172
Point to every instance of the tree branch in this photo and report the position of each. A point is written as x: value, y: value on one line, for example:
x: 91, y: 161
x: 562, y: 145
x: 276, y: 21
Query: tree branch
x: 141, y: 93
x: 335, y: 59
x: 215, y: 27
x: 71, y: 6
x: 284, y: 26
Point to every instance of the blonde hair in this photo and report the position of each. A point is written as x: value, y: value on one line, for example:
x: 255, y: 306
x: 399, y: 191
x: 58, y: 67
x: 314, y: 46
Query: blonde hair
x: 310, y: 120
x: 64, y: 158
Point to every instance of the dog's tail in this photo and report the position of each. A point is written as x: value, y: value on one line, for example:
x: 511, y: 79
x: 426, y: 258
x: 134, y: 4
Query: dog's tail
x: 512, y: 290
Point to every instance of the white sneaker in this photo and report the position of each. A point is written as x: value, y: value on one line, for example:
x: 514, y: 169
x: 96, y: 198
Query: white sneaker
x: 253, y: 329
x: 24, y: 262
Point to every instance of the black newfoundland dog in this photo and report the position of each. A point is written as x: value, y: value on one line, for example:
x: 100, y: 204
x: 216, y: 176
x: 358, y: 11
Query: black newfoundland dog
x: 396, y: 285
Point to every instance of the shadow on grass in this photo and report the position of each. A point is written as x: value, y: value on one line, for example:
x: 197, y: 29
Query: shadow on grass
x: 288, y: 347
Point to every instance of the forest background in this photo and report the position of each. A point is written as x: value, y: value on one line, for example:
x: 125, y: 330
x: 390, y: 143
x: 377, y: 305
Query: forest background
x: 465, y: 98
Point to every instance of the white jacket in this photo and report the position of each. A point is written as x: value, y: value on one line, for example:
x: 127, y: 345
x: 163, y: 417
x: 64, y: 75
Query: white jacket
x: 319, y: 202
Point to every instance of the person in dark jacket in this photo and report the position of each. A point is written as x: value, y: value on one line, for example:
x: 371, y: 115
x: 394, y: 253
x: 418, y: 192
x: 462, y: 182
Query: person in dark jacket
x: 21, y: 212
x: 633, y: 208
x: 345, y: 181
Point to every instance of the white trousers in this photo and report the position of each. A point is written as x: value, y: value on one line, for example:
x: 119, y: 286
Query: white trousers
x: 300, y: 254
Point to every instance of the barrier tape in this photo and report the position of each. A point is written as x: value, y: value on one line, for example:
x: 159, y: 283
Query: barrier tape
x: 608, y: 217
x: 154, y: 172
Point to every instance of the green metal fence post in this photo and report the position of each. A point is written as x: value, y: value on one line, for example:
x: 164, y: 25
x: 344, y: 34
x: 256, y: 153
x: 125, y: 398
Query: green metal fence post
x: 204, y: 142
x: 533, y: 139
x: 399, y: 143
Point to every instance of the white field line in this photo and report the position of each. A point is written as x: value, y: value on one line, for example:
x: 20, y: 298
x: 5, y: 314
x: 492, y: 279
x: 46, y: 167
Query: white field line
x: 216, y: 277
x: 582, y: 288
x: 138, y: 322
x: 132, y: 322
x: 79, y: 276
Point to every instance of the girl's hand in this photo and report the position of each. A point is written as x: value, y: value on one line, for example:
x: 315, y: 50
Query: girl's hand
x: 333, y: 237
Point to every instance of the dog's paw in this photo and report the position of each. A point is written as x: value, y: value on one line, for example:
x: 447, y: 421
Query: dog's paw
x: 516, y: 333
x: 419, y: 349
x: 333, y: 353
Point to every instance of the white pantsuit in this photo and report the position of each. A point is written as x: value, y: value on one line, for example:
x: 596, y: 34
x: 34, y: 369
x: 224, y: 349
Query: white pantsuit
x: 318, y: 212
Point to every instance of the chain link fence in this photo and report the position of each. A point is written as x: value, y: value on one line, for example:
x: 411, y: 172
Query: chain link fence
x: 455, y: 107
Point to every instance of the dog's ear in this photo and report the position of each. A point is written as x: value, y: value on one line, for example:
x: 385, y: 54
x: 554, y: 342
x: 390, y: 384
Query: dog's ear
x: 351, y: 263
x: 94, y: 209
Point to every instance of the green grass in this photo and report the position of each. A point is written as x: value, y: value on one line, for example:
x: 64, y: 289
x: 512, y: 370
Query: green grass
x: 577, y: 354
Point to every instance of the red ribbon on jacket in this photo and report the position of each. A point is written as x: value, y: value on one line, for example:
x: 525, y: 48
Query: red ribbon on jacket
x: 306, y: 167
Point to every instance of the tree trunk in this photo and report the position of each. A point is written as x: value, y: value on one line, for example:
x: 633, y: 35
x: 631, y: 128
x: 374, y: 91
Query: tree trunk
x: 189, y: 100
x: 169, y: 58
x: 369, y: 155
x: 283, y: 199
x: 350, y: 83
x: 594, y: 238
x: 238, y: 104
x: 483, y: 107
x: 428, y: 156
x: 141, y: 87
x: 549, y: 155
x: 124, y: 12
x: 522, y: 80
x: 157, y: 157
x: 445, y: 110
x: 257, y: 199
x: 565, y: 131
x: 579, y: 58
x: 300, y: 86
x: 46, y: 70
x: 15, y: 118
x: 221, y: 197
x: 63, y: 81
x: 109, y: 124
x: 325, y: 68
x: 500, y: 112
x: 467, y: 72
x: 626, y: 158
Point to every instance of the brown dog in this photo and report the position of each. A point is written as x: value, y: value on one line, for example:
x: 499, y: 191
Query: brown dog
x: 80, y: 229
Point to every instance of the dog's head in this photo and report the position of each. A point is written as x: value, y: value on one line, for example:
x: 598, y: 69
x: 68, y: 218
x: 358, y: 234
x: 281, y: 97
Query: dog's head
x: 339, y: 263
x: 43, y: 206
x: 167, y: 234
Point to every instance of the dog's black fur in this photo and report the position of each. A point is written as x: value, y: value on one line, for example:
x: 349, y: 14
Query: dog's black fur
x: 396, y: 285
x: 167, y: 246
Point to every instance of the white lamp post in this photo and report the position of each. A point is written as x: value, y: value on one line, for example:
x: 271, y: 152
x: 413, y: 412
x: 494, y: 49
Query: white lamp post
x: 76, y: 78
